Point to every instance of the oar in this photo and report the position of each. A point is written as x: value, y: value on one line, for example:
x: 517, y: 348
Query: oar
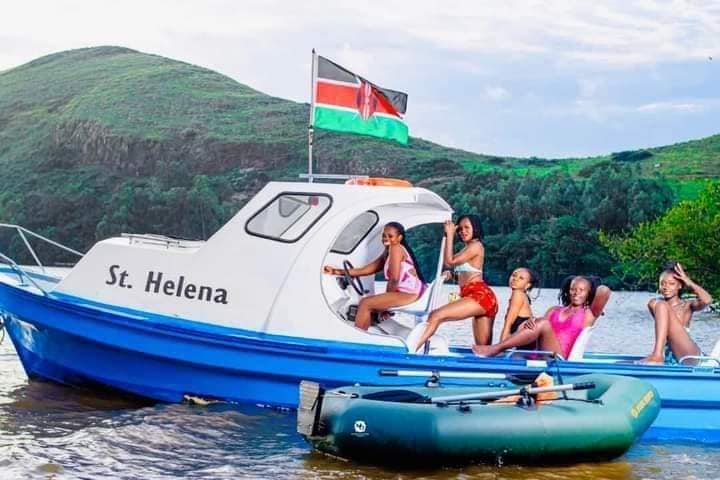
x: 442, y: 374
x: 515, y: 391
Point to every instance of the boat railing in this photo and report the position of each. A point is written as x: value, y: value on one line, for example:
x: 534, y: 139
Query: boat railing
x: 25, y: 235
x: 21, y: 273
x: 160, y: 240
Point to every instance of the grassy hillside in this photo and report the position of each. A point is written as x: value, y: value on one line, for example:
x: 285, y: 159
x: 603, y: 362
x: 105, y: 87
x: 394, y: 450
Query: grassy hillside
x: 102, y: 140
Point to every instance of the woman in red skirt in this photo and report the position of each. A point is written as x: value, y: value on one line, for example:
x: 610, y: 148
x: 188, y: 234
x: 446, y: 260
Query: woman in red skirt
x: 477, y: 300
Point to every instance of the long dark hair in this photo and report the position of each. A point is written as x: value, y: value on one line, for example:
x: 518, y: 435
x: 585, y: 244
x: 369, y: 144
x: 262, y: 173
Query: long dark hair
x: 476, y: 225
x: 534, y: 283
x: 564, y: 295
x: 401, y: 231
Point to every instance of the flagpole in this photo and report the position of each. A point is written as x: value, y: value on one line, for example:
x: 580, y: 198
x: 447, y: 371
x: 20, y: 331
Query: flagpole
x: 313, y: 75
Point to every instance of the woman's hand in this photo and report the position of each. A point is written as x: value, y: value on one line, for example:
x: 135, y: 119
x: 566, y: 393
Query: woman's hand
x: 450, y: 228
x: 447, y: 275
x: 331, y: 270
x: 529, y: 324
x: 681, y: 275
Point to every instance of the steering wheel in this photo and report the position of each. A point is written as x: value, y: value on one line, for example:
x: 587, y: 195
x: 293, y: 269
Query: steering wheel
x: 355, y: 282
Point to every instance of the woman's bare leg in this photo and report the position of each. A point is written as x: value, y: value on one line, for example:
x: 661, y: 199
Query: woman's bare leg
x: 680, y: 342
x: 380, y: 302
x: 482, y: 330
x: 542, y: 332
x: 457, y: 310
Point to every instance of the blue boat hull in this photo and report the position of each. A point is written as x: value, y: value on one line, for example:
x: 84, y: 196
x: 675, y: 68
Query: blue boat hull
x: 76, y: 342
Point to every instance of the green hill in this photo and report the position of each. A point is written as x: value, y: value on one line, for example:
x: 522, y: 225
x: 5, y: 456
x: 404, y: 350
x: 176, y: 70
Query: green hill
x: 102, y: 140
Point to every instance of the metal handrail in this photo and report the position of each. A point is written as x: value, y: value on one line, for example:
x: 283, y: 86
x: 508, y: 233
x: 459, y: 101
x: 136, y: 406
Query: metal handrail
x: 161, y: 239
x: 22, y: 231
x: 22, y: 273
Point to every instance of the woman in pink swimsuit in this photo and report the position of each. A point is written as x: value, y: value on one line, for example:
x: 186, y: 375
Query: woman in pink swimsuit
x: 405, y: 282
x: 583, y: 300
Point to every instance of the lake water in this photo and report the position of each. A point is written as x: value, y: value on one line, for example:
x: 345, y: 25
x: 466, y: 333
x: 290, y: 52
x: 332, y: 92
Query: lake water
x: 53, y: 432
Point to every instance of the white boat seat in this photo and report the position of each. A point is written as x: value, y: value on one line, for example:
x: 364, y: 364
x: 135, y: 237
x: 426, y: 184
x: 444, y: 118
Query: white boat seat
x: 438, y: 343
x: 578, y: 350
x: 712, y: 360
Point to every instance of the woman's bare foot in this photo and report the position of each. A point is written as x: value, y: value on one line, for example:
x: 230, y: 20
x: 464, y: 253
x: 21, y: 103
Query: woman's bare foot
x: 484, y: 350
x: 653, y: 359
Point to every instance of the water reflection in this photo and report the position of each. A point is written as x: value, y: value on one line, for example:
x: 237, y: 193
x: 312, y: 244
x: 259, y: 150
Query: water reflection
x: 50, y: 431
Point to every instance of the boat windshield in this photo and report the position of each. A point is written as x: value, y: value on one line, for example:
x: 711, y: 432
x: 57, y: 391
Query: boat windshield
x: 355, y: 232
x: 288, y: 216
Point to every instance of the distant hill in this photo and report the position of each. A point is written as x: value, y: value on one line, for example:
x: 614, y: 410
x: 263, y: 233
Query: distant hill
x: 101, y: 140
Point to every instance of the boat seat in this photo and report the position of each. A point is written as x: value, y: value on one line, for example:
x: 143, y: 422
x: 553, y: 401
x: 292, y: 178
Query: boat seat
x: 712, y: 360
x: 578, y: 349
x: 438, y: 343
x: 428, y: 301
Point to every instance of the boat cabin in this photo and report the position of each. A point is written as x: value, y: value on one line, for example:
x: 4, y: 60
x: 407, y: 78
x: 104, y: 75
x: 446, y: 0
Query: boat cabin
x: 262, y: 271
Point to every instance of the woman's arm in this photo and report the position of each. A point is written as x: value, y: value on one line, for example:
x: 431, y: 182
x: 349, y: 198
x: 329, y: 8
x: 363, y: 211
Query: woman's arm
x: 703, y: 297
x: 372, y: 267
x: 530, y: 324
x: 602, y: 295
x: 516, y: 303
x: 449, y: 237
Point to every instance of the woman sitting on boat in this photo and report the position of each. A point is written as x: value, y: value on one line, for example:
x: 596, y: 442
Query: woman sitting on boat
x: 672, y: 315
x: 405, y: 281
x: 522, y: 280
x: 583, y: 300
x: 477, y: 300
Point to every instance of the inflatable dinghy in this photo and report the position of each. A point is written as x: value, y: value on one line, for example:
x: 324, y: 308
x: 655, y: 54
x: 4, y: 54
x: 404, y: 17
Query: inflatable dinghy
x: 597, y: 417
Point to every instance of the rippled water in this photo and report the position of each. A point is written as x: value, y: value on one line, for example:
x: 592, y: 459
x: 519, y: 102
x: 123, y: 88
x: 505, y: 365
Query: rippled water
x: 49, y: 431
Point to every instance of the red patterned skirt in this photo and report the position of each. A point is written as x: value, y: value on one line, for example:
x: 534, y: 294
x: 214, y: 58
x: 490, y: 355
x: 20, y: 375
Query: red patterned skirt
x: 479, y: 291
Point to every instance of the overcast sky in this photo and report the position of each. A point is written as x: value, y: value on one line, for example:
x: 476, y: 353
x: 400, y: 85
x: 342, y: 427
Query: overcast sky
x: 540, y: 77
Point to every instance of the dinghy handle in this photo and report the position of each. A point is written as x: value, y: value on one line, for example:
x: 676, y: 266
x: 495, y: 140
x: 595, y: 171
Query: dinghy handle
x: 442, y: 374
x: 443, y: 400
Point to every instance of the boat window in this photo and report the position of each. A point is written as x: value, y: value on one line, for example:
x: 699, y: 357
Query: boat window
x: 288, y: 216
x: 355, y: 232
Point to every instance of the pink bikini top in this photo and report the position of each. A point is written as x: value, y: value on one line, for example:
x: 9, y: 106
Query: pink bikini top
x: 567, y: 330
x: 408, y: 283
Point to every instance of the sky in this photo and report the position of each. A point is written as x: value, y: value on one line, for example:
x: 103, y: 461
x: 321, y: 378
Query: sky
x: 544, y: 78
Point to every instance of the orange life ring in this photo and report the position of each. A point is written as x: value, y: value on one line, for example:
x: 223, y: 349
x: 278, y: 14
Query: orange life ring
x: 379, y: 182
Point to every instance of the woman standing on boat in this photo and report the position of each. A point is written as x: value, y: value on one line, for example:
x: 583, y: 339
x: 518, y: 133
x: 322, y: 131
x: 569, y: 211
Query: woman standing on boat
x: 583, y: 300
x: 405, y: 282
x: 477, y: 300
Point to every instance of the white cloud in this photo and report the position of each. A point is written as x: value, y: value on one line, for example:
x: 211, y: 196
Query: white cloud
x: 613, y: 32
x: 555, y: 59
x: 682, y: 107
x: 494, y: 94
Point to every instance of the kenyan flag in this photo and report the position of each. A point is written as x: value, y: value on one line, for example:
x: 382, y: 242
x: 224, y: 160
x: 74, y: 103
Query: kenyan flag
x: 346, y: 102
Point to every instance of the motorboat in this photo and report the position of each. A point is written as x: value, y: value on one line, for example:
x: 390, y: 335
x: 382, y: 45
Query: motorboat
x: 248, y: 314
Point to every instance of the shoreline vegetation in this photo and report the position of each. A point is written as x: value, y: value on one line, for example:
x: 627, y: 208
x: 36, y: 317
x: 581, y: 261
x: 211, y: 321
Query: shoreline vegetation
x: 99, y: 141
